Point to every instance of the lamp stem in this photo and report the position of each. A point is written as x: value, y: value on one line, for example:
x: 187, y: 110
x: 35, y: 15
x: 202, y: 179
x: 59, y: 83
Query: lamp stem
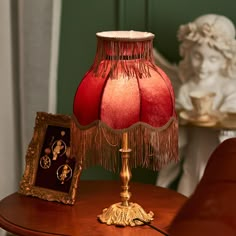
x: 125, y: 173
x: 125, y: 213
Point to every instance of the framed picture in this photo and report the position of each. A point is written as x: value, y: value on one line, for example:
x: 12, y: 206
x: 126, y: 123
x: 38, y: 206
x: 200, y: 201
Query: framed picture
x: 51, y: 173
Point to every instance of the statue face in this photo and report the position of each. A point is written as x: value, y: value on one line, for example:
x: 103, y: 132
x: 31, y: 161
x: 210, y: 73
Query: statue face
x: 206, y: 62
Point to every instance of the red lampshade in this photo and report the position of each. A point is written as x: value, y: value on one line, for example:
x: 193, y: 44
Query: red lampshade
x: 125, y: 90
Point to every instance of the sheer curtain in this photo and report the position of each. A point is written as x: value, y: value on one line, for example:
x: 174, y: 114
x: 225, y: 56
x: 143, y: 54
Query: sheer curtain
x: 29, y: 39
x: 38, y: 44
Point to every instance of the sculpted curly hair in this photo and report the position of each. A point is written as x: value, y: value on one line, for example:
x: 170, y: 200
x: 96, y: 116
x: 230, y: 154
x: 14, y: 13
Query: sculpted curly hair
x: 216, y: 31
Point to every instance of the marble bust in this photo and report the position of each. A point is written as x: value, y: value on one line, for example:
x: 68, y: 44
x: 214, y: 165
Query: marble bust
x: 208, y: 51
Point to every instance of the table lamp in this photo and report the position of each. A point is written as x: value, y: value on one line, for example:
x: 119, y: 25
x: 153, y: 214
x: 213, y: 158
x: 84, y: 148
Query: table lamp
x: 125, y: 104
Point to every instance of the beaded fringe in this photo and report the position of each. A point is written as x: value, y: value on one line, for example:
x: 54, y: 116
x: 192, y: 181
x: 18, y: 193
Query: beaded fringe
x: 98, y: 144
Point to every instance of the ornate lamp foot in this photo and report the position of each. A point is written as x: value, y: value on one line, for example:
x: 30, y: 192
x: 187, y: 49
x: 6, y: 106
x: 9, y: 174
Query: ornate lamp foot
x: 120, y: 215
x: 124, y: 213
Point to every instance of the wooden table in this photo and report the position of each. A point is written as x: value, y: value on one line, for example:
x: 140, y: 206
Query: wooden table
x: 24, y: 215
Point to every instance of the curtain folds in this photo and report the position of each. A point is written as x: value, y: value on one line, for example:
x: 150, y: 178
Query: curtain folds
x: 29, y: 39
x: 29, y: 42
x: 38, y: 65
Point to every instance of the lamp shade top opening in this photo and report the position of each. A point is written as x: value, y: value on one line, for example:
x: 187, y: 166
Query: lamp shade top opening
x: 125, y: 35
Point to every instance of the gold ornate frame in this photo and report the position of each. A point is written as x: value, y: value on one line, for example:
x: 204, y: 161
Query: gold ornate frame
x: 36, y: 178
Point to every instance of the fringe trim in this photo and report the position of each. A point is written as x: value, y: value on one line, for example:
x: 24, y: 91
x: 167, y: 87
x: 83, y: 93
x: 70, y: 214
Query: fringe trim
x: 98, y: 144
x: 113, y: 59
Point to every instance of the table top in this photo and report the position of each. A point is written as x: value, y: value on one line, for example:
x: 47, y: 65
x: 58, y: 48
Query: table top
x: 26, y: 215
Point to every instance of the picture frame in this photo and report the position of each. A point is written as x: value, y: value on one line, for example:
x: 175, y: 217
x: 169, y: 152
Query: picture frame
x: 51, y: 173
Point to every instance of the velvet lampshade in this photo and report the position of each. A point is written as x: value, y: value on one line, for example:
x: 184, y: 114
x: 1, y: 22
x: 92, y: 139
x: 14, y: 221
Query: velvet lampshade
x: 125, y: 91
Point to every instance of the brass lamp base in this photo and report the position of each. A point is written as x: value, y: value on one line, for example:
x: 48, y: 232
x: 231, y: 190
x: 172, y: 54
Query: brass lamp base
x: 120, y: 215
x: 124, y: 213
